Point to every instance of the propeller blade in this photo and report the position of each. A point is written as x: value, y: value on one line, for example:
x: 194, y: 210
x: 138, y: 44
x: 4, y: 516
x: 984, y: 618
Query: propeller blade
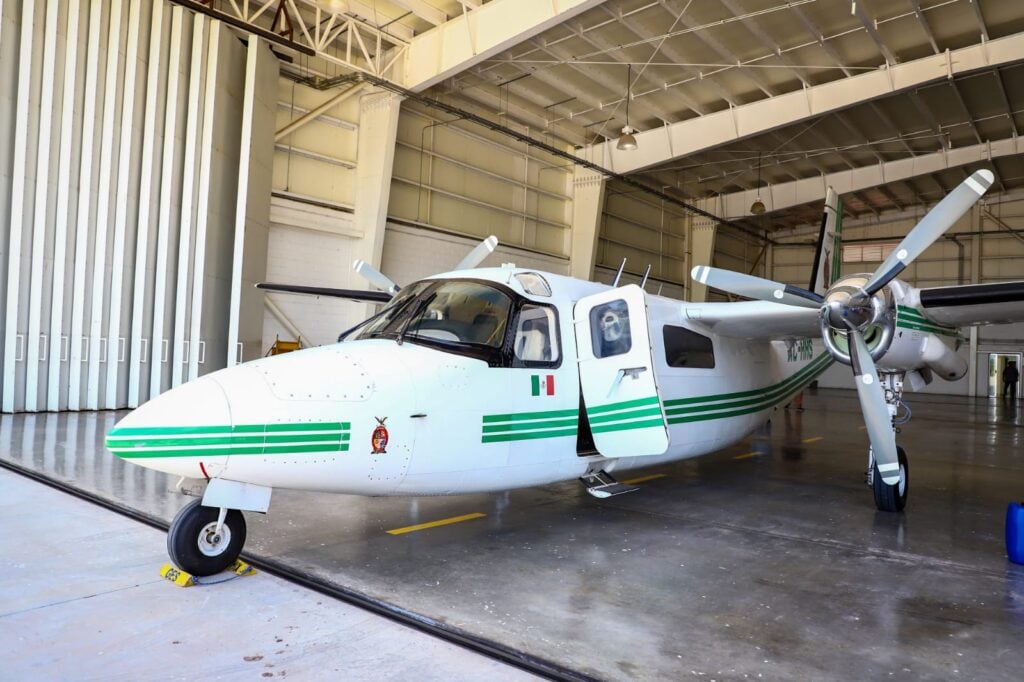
x: 477, y: 255
x: 755, y: 287
x: 875, y: 411
x: 931, y: 227
x: 350, y: 294
x: 375, y: 277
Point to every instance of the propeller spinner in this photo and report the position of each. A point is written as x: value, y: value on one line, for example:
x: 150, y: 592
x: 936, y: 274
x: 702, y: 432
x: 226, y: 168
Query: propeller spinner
x: 852, y: 309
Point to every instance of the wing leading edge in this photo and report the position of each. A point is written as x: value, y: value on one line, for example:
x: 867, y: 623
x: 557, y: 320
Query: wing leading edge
x: 755, y: 319
x: 972, y: 304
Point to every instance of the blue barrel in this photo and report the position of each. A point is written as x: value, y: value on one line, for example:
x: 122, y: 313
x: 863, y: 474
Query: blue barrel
x: 1015, y: 532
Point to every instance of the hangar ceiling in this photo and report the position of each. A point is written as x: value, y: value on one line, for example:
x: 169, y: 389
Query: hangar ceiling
x: 687, y: 59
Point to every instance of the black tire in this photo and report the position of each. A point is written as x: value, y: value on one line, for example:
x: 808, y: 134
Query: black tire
x: 892, y: 498
x: 191, y: 532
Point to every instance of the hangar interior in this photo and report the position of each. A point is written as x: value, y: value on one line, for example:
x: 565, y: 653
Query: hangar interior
x: 158, y: 158
x: 732, y: 102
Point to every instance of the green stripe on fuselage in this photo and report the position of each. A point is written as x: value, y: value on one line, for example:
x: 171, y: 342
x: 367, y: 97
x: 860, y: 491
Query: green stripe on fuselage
x: 231, y: 451
x: 745, y: 402
x: 240, y: 439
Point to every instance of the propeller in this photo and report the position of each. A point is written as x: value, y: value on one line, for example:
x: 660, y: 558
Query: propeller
x: 756, y: 287
x: 350, y: 294
x: 931, y: 227
x: 375, y: 277
x: 478, y: 254
x: 875, y: 410
x: 854, y: 306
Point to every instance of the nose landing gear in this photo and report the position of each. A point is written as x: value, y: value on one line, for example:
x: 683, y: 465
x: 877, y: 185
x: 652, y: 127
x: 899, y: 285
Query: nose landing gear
x: 205, y: 540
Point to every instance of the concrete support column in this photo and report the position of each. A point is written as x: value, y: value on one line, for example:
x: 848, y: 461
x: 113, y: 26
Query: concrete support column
x: 587, y: 205
x: 378, y: 131
x: 701, y: 248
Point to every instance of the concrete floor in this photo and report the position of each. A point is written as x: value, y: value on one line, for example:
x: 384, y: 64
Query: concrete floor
x: 768, y: 559
x: 82, y: 599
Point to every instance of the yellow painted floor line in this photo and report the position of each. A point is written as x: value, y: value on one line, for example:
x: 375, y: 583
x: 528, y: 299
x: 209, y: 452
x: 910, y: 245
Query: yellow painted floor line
x: 435, y: 524
x: 813, y: 440
x: 747, y: 455
x: 643, y: 479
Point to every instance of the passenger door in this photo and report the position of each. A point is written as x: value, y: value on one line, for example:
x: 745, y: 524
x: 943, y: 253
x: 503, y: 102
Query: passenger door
x: 620, y: 391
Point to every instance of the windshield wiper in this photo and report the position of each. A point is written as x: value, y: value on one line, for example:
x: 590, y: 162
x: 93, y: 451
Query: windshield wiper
x: 413, y: 316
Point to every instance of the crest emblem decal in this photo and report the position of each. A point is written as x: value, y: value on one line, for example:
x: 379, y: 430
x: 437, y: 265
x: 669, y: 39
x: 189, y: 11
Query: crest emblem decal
x: 379, y: 439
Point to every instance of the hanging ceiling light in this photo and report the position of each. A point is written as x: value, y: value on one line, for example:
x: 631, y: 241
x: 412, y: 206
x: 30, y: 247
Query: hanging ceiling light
x: 757, y: 208
x: 627, y: 142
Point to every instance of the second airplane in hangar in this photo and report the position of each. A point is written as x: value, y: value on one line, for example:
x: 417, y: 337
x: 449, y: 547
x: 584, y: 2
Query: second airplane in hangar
x: 486, y: 379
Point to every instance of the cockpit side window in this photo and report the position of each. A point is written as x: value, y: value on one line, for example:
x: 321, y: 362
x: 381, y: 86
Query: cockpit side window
x: 536, y: 339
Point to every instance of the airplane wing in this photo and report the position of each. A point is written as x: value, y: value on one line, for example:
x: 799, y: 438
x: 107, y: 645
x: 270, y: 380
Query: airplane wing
x: 755, y: 319
x: 351, y: 294
x: 972, y: 304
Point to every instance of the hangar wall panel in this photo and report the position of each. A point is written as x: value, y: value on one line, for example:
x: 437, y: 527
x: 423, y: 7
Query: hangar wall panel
x: 644, y: 231
x: 95, y: 164
x: 315, y: 246
x: 475, y: 182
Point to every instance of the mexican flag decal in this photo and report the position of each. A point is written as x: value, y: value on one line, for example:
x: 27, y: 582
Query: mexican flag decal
x: 543, y: 384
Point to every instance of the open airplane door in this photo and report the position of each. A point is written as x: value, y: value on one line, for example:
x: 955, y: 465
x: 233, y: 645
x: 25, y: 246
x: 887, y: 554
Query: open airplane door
x: 617, y: 374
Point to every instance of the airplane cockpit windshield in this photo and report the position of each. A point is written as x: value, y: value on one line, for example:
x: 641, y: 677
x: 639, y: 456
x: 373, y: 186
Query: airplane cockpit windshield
x: 459, y: 316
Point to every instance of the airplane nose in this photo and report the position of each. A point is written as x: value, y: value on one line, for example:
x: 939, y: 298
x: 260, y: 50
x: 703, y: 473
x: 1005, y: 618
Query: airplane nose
x: 186, y: 422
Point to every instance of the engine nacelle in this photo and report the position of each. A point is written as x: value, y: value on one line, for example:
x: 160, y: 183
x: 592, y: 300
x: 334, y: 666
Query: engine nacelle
x: 913, y: 349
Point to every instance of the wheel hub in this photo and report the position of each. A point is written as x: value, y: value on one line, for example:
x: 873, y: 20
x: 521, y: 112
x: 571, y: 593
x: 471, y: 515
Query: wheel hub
x: 211, y: 542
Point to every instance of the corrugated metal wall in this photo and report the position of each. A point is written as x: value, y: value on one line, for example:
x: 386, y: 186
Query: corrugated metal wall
x: 120, y: 159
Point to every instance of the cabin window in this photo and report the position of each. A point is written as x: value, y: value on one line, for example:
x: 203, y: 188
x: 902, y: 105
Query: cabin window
x: 536, y: 341
x: 684, y: 348
x: 609, y: 329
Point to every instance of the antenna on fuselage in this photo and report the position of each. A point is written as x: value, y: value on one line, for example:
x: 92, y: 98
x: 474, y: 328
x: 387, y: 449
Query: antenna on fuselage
x: 647, y: 274
x: 618, y: 275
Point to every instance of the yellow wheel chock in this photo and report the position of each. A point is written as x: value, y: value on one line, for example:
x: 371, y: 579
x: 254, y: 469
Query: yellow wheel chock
x: 240, y: 569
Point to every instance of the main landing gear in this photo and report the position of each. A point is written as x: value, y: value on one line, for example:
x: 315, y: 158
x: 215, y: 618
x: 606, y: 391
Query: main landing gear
x: 892, y: 498
x: 205, y: 540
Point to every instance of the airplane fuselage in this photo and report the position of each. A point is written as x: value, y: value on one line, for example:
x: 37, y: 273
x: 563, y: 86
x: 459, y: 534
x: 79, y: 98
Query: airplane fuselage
x: 376, y: 416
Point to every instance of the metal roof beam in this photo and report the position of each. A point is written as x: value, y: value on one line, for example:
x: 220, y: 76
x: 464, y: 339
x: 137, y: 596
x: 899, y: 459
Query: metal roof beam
x: 765, y: 39
x: 924, y: 24
x: 632, y: 25
x: 469, y: 39
x: 688, y: 137
x: 804, y: 191
x: 963, y: 105
x: 870, y: 27
x: 981, y: 20
x: 1006, y: 99
x: 424, y: 10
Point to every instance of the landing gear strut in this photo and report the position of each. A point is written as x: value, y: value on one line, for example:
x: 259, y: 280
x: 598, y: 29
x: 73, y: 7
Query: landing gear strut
x: 205, y: 540
x: 891, y: 498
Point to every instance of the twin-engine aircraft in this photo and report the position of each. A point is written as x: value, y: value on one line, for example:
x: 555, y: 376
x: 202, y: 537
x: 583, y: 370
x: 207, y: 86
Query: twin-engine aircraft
x: 486, y: 379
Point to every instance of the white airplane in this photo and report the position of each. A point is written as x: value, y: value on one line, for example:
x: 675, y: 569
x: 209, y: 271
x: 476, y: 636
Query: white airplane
x: 486, y: 379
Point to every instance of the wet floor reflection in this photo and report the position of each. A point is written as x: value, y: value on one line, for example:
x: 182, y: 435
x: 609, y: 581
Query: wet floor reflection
x: 68, y: 447
x: 782, y: 552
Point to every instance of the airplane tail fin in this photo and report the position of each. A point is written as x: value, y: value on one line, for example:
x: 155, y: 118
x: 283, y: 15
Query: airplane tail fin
x: 828, y: 258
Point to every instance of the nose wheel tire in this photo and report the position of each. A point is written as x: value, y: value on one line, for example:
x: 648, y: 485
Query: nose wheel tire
x: 194, y: 544
x: 892, y: 498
